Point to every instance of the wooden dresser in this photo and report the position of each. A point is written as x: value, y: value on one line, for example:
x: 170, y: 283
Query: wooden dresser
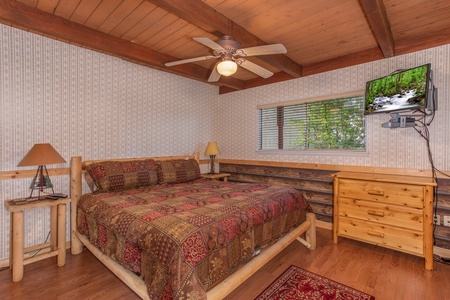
x: 391, y: 211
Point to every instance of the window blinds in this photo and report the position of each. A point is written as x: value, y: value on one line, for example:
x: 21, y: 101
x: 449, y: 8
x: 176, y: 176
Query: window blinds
x: 331, y: 124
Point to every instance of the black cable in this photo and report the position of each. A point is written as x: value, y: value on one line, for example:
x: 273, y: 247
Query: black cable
x: 46, y: 239
x: 6, y: 268
x: 425, y: 134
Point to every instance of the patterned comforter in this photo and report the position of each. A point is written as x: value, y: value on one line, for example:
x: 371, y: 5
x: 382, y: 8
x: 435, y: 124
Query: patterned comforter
x: 182, y: 239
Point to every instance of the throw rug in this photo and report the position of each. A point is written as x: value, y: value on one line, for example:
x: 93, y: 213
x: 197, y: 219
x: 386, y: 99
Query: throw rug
x: 296, y: 283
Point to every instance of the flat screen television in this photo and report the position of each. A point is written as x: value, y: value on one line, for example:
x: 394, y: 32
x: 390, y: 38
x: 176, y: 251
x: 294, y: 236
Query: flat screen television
x: 404, y: 90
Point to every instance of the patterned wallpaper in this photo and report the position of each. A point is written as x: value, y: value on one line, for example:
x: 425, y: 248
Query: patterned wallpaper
x: 89, y: 104
x: 236, y: 122
x: 86, y: 103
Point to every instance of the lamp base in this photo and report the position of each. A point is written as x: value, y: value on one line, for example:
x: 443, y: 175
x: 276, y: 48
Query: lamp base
x: 41, y: 182
x: 212, y: 164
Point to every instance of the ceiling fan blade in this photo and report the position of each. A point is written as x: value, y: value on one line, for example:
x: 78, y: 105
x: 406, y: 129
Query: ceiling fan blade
x: 188, y: 60
x: 262, y: 50
x: 252, y: 67
x: 209, y: 43
x: 214, y: 77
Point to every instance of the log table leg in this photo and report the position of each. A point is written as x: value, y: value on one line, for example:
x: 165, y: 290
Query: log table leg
x: 61, y: 234
x: 17, y: 246
x: 18, y: 255
x: 53, y: 228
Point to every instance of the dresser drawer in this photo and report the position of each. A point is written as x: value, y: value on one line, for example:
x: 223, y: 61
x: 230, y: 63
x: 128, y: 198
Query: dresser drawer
x: 395, y: 215
x: 383, y: 192
x: 387, y: 236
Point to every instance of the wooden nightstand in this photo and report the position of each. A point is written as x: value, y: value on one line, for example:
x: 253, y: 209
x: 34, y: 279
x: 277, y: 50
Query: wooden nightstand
x: 217, y: 176
x: 57, y: 242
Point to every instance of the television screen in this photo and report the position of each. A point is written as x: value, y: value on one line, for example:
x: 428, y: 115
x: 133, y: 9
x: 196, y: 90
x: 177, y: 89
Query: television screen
x: 403, y: 90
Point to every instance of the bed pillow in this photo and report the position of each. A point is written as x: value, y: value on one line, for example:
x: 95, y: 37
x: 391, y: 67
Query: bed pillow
x: 123, y: 175
x: 178, y: 170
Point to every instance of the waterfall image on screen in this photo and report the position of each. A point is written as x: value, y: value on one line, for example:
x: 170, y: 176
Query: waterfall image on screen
x: 404, y: 90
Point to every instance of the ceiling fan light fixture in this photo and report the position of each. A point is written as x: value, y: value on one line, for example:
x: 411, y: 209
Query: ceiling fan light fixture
x: 226, y: 67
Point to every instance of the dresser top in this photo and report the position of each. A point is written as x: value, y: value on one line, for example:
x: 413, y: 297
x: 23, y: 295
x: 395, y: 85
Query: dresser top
x: 404, y: 179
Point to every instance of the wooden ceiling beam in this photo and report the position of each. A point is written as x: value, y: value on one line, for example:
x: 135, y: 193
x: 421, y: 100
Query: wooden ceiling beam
x: 344, y: 61
x: 207, y: 18
x: 403, y: 46
x: 351, y: 59
x: 376, y: 15
x: 16, y: 14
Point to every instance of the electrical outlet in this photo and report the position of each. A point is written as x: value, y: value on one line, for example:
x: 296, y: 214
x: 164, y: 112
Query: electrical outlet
x: 437, y: 220
x: 447, y: 221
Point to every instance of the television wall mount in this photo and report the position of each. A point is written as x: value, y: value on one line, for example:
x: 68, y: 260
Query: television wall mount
x: 400, y: 121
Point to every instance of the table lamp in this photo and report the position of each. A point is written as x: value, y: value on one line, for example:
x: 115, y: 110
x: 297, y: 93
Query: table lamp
x: 212, y: 149
x: 41, y: 155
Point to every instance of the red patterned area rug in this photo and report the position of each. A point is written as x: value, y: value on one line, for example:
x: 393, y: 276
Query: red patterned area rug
x: 296, y: 283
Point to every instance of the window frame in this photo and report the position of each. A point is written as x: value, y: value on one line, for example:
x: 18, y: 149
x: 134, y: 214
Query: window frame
x: 313, y: 152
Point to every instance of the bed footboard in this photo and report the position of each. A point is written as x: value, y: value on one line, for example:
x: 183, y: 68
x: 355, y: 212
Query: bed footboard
x: 230, y: 283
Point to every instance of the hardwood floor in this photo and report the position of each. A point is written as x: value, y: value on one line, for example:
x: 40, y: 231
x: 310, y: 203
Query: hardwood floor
x: 380, y: 272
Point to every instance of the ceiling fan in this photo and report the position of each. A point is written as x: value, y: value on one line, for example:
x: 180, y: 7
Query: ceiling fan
x: 227, y: 49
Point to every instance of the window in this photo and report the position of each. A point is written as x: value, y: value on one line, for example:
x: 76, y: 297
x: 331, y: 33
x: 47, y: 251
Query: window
x: 336, y: 123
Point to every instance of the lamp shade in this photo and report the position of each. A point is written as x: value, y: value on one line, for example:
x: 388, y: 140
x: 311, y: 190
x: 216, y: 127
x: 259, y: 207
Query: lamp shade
x: 227, y: 67
x: 212, y: 149
x: 41, y: 154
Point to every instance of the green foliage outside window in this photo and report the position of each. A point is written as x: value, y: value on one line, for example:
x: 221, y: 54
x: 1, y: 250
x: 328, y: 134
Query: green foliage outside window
x: 335, y: 124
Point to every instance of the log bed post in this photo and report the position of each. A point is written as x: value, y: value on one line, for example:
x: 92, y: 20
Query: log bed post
x: 75, y: 193
x: 311, y: 232
x: 197, y: 157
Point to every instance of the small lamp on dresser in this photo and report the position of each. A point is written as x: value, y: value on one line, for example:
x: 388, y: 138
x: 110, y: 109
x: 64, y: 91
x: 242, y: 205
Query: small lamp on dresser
x: 212, y: 149
x: 41, y: 155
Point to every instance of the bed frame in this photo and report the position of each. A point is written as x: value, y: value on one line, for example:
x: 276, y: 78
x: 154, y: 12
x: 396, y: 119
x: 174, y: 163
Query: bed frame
x: 221, y: 290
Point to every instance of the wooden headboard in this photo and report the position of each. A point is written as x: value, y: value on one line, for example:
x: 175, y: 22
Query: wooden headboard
x: 193, y: 156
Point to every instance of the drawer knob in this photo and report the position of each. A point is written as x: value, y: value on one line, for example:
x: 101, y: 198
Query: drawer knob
x: 374, y: 233
x: 375, y: 213
x: 375, y: 192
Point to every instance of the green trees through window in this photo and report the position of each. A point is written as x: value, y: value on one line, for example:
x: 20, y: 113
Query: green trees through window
x: 334, y: 124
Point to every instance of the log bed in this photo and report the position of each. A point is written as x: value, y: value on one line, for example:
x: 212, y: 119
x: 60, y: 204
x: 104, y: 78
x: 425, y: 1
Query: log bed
x: 78, y: 241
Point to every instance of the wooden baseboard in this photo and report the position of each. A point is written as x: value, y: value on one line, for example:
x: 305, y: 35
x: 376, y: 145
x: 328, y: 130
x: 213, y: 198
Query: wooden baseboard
x: 4, y: 263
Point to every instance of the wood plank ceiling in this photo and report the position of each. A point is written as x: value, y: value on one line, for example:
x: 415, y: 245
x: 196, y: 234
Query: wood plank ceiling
x: 319, y: 35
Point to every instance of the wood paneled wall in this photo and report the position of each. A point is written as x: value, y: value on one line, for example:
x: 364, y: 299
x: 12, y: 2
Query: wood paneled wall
x: 316, y: 184
x: 442, y: 205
